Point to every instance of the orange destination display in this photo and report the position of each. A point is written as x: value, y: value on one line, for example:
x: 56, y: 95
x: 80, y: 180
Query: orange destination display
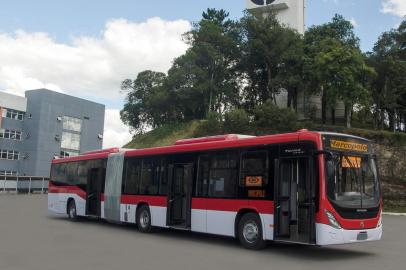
x: 349, y: 146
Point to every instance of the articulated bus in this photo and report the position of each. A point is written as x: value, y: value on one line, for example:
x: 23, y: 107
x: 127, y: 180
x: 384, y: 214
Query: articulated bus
x: 306, y: 187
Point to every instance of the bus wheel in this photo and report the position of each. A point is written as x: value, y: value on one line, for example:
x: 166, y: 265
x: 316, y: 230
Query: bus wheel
x: 72, y: 214
x: 144, y: 219
x: 250, y: 232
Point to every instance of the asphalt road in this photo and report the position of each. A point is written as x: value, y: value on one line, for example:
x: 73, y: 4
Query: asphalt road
x: 32, y: 239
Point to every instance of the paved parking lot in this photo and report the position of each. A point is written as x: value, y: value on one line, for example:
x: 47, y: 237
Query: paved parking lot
x: 31, y: 239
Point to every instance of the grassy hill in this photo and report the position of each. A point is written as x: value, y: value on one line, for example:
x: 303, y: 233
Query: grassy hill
x: 168, y: 134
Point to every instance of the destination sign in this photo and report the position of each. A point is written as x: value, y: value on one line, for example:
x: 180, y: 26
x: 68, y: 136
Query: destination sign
x: 348, y: 146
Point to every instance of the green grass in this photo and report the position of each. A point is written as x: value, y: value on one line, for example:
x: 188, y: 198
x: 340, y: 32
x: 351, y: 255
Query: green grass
x: 168, y: 134
x: 165, y: 135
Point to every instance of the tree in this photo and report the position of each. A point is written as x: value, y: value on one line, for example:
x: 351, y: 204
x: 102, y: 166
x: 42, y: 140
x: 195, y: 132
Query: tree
x: 272, y: 60
x: 335, y: 67
x: 389, y: 87
x: 146, y: 102
x: 210, y: 63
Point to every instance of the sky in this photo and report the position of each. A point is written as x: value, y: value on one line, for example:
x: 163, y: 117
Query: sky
x: 86, y: 48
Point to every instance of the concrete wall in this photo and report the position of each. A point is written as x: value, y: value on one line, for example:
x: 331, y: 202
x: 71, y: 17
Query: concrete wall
x: 42, y: 127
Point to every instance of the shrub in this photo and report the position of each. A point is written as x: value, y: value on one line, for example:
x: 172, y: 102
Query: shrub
x: 236, y: 121
x: 212, y: 126
x: 269, y: 118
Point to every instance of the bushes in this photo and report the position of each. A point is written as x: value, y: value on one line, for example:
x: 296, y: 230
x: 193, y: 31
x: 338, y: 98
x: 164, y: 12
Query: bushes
x: 237, y: 121
x: 213, y: 125
x: 269, y: 118
x: 266, y: 119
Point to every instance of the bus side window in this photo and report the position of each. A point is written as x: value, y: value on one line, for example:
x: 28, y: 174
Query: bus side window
x: 223, y: 178
x: 202, y: 176
x: 83, y: 170
x: 149, y: 183
x: 254, y: 174
x: 163, y: 177
x: 72, y: 173
x: 132, y: 177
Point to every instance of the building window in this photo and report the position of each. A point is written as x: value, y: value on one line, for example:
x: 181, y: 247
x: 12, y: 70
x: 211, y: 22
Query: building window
x: 65, y: 154
x: 14, y: 114
x: 10, y: 134
x: 72, y: 124
x: 70, y: 141
x: 7, y: 173
x: 9, y: 154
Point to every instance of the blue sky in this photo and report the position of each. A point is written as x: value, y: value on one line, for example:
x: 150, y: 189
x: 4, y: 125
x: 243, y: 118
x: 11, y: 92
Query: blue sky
x: 64, y: 19
x: 87, y: 48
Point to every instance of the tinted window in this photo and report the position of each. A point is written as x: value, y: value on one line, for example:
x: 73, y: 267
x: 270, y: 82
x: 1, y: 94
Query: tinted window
x: 163, y: 178
x: 254, y: 176
x: 132, y: 178
x: 83, y: 170
x: 202, y: 177
x: 254, y: 167
x: 75, y: 173
x: 217, y: 176
x: 149, y: 178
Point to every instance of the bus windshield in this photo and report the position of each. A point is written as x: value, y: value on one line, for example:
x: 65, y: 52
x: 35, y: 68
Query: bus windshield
x: 352, y: 181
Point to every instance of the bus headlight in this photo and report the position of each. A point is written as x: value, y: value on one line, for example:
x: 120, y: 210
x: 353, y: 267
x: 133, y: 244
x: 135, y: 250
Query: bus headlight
x: 380, y: 221
x: 333, y: 222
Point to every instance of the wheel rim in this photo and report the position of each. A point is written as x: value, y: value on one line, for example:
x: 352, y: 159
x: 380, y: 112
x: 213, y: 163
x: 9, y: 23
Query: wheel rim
x: 250, y: 231
x: 144, y: 219
x: 72, y: 211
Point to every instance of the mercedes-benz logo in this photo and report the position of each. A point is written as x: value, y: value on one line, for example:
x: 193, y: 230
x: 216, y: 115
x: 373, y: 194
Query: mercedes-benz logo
x: 262, y: 2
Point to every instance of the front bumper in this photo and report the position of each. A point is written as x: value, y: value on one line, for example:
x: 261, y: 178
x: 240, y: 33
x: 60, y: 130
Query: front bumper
x: 327, y: 235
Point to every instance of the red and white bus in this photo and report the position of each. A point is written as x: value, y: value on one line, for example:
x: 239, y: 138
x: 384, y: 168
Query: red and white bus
x: 305, y: 187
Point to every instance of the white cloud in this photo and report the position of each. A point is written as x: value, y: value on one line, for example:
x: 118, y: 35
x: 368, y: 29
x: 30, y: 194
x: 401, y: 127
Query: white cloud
x: 115, y: 133
x: 395, y: 7
x: 94, y: 66
x: 91, y: 66
x: 354, y: 22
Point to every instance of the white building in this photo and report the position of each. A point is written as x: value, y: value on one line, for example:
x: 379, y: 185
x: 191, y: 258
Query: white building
x: 289, y: 12
x: 292, y: 13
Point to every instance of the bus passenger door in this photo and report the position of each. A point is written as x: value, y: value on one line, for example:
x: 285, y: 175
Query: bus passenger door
x: 294, y: 200
x: 95, y: 183
x: 180, y: 195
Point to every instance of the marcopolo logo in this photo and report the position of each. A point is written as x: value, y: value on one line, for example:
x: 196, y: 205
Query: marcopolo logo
x: 262, y: 2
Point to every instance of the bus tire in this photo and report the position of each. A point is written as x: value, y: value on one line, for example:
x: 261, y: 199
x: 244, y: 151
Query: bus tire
x: 250, y: 231
x: 71, y: 209
x: 144, y: 219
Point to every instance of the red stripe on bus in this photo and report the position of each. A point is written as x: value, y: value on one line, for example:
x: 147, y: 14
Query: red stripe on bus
x: 67, y: 189
x: 231, y: 205
x: 150, y: 200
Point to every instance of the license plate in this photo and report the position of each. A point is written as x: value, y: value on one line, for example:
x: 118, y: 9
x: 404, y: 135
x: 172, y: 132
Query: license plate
x: 362, y: 236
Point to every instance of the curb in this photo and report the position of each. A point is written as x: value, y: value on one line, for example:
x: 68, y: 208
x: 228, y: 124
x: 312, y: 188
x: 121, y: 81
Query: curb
x: 394, y: 214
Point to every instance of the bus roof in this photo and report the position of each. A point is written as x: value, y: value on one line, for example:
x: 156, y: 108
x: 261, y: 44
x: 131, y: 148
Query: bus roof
x: 207, y: 143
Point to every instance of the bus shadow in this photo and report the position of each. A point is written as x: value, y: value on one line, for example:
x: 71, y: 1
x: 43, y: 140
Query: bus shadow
x: 316, y: 253
x: 305, y: 252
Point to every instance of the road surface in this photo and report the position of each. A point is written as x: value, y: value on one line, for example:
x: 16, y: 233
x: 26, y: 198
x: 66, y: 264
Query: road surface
x: 32, y: 239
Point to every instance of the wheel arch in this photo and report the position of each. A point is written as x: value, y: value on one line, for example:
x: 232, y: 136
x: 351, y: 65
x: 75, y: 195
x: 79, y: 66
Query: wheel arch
x: 240, y: 214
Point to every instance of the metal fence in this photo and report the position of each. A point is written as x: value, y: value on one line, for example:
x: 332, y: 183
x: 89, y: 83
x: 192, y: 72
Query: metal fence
x: 23, y: 184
